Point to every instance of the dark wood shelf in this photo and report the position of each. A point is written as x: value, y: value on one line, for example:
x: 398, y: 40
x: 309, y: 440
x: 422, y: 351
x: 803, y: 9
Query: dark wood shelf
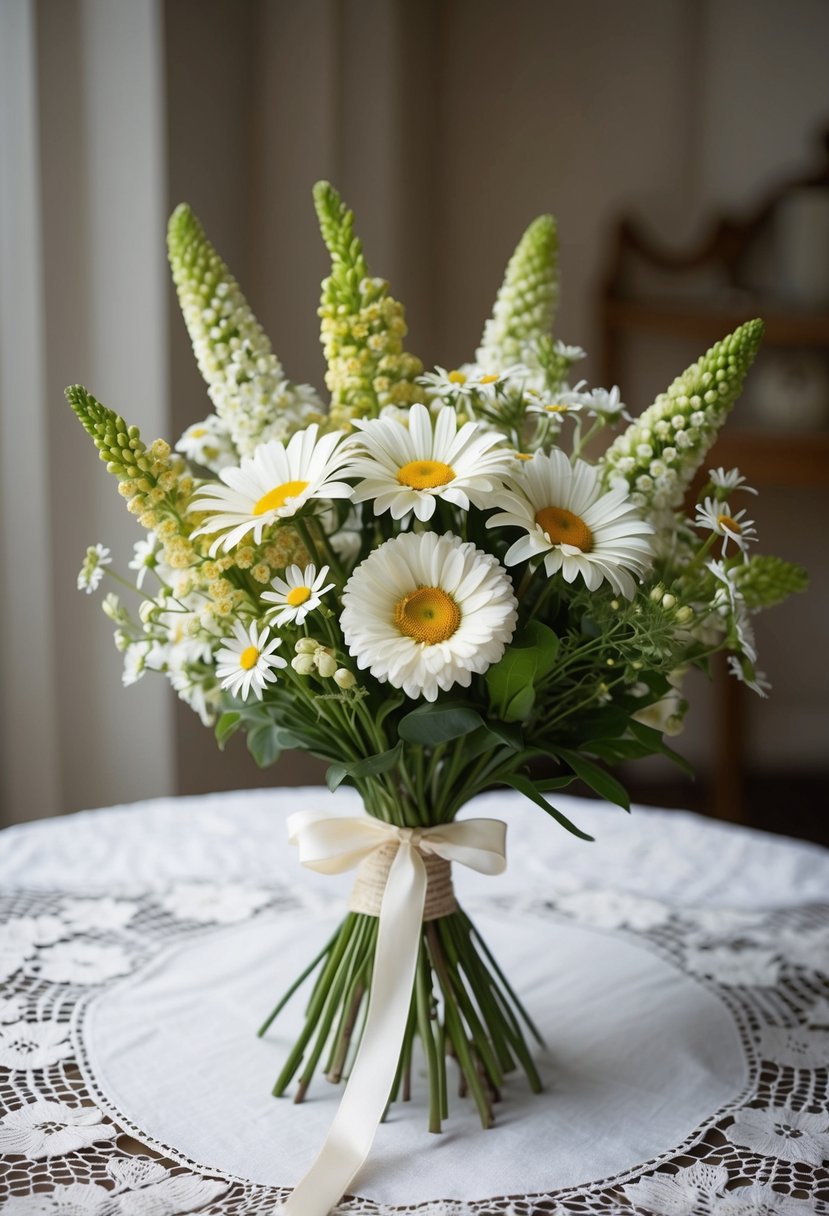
x: 710, y: 322
x: 774, y: 458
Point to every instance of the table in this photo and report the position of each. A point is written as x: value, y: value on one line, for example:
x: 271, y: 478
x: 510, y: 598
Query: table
x: 679, y: 967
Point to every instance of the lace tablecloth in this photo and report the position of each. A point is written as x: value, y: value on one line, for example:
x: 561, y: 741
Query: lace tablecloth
x: 689, y: 1006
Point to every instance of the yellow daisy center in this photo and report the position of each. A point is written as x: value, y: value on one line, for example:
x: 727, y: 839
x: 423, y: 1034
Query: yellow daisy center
x: 487, y: 379
x: 298, y: 595
x: 563, y: 527
x: 198, y: 431
x: 725, y: 521
x: 456, y: 378
x: 523, y: 455
x: 249, y: 658
x: 278, y: 496
x: 557, y: 409
x: 425, y: 474
x: 428, y: 615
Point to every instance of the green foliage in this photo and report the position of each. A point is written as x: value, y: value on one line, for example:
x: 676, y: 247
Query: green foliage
x: 512, y: 681
x: 433, y: 723
x: 371, y: 766
x: 527, y: 787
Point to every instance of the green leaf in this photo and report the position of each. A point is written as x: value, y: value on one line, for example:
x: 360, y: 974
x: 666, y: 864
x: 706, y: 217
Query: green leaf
x: 511, y: 681
x: 369, y: 767
x: 227, y: 725
x: 656, y: 744
x: 264, y: 744
x: 528, y: 788
x: 547, y: 784
x: 598, y: 780
x: 508, y: 733
x: 390, y: 703
x: 431, y: 724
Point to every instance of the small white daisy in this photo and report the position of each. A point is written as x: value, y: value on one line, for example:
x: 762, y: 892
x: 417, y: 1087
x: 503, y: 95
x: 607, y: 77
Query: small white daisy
x: 209, y: 444
x: 248, y: 661
x: 565, y: 401
x: 299, y: 593
x: 606, y: 404
x: 743, y: 669
x: 718, y: 518
x: 272, y: 484
x: 408, y: 468
x: 92, y: 570
x: 570, y: 354
x: 452, y: 384
x: 577, y: 528
x: 424, y: 612
x: 730, y: 480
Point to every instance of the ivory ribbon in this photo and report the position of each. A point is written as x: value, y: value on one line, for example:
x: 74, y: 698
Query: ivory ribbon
x: 331, y: 844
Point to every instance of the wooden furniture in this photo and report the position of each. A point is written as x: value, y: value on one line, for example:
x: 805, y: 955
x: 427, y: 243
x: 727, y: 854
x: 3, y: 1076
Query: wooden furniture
x: 701, y: 295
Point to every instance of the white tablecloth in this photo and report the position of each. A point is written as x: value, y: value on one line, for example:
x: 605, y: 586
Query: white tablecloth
x: 679, y: 967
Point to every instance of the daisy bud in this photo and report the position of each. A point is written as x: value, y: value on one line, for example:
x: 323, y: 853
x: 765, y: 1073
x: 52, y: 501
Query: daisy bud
x: 669, y: 601
x: 344, y: 678
x: 685, y: 615
x: 303, y: 664
x: 306, y: 646
x: 326, y: 664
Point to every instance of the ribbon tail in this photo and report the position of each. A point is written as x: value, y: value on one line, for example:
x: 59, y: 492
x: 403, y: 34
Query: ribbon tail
x: 366, y: 1096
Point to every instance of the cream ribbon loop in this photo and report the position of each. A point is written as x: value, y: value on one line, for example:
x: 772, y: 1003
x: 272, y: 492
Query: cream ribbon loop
x: 330, y: 845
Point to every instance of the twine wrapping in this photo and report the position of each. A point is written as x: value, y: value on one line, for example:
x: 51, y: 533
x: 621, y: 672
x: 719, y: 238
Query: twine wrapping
x: 373, y: 873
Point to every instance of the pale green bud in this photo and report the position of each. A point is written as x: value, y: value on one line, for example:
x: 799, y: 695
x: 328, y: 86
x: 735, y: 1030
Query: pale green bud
x: 303, y: 664
x: 344, y: 678
x: 326, y: 664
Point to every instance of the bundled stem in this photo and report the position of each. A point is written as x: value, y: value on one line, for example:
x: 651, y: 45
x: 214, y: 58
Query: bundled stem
x: 463, y: 1011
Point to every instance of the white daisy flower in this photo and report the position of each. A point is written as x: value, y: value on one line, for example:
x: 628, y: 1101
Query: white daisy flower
x: 578, y: 529
x: 743, y: 669
x: 209, y: 444
x: 299, y: 593
x: 718, y: 518
x: 272, y: 484
x: 424, y: 612
x: 247, y: 661
x: 92, y: 570
x: 731, y: 480
x: 455, y: 383
x: 571, y: 354
x: 607, y: 404
x: 407, y: 468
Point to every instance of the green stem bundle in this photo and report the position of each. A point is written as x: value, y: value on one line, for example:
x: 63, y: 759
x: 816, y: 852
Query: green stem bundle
x: 463, y: 1011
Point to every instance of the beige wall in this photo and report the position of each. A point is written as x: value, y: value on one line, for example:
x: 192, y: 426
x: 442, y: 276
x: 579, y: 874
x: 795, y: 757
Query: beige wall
x: 448, y: 124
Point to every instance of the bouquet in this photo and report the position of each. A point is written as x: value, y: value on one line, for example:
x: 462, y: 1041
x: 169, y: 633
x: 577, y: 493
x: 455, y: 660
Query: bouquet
x: 433, y: 583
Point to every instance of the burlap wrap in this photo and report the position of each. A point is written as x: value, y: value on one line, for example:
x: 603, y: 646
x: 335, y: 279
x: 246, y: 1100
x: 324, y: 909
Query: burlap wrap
x: 373, y: 872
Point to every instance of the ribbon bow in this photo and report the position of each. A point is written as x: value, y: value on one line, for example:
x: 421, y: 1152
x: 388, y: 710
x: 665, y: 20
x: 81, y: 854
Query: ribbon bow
x: 330, y: 845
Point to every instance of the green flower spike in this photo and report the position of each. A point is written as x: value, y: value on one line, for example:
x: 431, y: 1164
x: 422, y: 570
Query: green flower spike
x: 525, y: 306
x: 154, y: 482
x: 362, y: 327
x: 766, y: 580
x: 660, y: 451
x: 245, y: 380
